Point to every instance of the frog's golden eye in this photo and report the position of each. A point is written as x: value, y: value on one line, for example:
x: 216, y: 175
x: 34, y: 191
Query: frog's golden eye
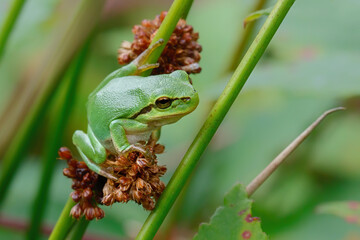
x: 163, y: 102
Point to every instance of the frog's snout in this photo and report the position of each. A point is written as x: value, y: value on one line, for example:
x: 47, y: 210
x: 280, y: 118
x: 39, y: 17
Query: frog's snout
x: 194, y: 99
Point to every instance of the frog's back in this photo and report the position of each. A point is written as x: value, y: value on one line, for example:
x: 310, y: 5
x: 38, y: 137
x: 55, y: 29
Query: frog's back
x: 119, y: 98
x: 124, y: 97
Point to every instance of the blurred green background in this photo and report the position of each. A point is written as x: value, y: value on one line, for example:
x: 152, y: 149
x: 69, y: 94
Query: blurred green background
x: 311, y: 65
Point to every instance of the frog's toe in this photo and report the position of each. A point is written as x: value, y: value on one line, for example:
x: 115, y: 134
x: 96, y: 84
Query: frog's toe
x: 143, y: 57
x: 145, y: 67
x: 140, y: 148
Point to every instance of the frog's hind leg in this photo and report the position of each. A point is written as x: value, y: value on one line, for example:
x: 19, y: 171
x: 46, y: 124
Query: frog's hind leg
x: 89, y: 148
x: 137, y: 66
x: 141, y: 61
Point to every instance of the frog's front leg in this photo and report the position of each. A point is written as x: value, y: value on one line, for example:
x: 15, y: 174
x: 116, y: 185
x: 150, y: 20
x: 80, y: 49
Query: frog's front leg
x: 118, y: 129
x: 154, y: 137
x: 92, y: 152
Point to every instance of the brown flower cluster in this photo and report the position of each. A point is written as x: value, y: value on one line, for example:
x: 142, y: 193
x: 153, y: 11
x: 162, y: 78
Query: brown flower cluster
x: 87, y: 187
x: 139, y: 179
x: 182, y: 51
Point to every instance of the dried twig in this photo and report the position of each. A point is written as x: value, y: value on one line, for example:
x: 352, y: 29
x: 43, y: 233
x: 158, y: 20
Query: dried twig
x: 261, y: 178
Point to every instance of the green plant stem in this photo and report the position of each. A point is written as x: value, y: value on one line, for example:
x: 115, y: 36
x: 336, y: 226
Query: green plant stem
x: 178, y: 9
x: 214, y: 119
x: 186, y: 13
x: 9, y: 23
x: 76, y: 32
x: 79, y: 229
x: 64, y: 223
x: 245, y: 38
x: 54, y: 140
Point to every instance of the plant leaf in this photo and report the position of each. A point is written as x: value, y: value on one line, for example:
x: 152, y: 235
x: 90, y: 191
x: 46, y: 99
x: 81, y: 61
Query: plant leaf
x: 256, y: 15
x: 233, y: 220
x: 347, y: 210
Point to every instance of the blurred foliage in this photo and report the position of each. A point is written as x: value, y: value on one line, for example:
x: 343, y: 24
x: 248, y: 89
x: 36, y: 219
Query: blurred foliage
x: 348, y: 210
x: 310, y: 66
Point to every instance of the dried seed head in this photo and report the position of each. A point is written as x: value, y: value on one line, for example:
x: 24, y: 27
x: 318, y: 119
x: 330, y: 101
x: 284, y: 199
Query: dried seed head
x: 182, y: 51
x: 64, y: 153
x: 89, y: 213
x: 142, y: 162
x: 158, y: 149
x: 76, y: 195
x: 99, y: 213
x: 139, y: 179
x: 76, y: 211
x: 87, y: 192
x: 108, y: 199
x: 148, y: 203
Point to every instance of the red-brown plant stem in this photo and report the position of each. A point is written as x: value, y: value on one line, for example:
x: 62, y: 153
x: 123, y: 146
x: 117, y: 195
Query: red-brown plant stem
x: 20, y: 225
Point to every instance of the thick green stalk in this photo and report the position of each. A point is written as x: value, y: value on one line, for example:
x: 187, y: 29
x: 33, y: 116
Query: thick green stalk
x: 76, y: 32
x: 79, y: 229
x: 9, y: 23
x: 178, y: 9
x: 64, y: 223
x: 54, y: 140
x: 186, y: 12
x: 214, y: 119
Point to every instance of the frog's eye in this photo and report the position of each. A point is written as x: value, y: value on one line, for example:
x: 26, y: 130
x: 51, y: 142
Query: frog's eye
x: 163, y: 102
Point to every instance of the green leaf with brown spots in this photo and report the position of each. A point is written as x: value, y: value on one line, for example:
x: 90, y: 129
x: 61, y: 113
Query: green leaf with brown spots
x: 347, y: 210
x: 233, y: 220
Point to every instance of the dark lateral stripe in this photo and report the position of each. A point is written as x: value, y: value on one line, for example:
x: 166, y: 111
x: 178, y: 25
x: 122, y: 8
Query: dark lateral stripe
x: 149, y: 107
x: 143, y: 111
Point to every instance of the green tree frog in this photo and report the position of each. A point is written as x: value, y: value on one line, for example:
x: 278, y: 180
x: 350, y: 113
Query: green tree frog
x: 125, y: 109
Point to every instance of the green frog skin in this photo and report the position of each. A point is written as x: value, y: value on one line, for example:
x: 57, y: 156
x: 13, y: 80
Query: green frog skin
x: 125, y: 109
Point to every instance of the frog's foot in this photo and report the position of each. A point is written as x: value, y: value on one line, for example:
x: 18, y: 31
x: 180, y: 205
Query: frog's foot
x: 92, y: 152
x: 105, y: 172
x: 151, y: 143
x: 140, y: 148
x: 194, y: 67
x: 145, y: 67
x: 141, y: 60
